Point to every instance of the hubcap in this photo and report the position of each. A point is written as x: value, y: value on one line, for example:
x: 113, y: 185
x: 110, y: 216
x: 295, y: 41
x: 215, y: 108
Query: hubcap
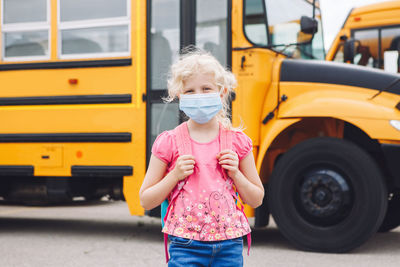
x: 325, y: 197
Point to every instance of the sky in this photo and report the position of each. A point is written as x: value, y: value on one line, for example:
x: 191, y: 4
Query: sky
x: 334, y: 12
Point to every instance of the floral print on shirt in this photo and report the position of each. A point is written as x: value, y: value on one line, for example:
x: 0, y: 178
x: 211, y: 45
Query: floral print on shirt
x: 213, y: 217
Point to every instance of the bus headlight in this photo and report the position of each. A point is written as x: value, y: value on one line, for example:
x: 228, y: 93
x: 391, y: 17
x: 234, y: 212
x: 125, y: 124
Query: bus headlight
x: 395, y: 124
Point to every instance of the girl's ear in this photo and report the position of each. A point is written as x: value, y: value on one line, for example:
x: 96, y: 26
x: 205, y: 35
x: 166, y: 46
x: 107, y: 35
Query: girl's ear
x: 224, y: 92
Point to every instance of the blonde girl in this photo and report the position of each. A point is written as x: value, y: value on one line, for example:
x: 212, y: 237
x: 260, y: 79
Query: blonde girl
x: 204, y: 225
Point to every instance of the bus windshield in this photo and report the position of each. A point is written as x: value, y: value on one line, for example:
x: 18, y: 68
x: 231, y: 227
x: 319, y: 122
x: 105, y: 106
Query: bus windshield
x: 283, y: 27
x: 374, y: 47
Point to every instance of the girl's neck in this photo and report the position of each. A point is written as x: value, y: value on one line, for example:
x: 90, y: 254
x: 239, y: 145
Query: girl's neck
x: 205, y: 132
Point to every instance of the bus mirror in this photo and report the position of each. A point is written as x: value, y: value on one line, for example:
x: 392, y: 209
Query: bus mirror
x: 349, y: 50
x: 308, y: 25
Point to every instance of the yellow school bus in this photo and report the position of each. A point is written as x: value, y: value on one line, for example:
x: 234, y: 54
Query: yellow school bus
x: 370, y: 37
x: 80, y: 105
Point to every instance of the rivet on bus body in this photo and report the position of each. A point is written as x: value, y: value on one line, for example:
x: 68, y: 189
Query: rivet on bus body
x: 73, y: 81
x: 79, y: 154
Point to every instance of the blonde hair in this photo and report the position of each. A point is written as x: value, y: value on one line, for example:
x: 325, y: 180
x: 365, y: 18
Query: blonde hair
x: 198, y: 61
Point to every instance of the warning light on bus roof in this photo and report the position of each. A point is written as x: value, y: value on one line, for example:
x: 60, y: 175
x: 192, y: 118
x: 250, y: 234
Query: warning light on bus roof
x: 73, y: 81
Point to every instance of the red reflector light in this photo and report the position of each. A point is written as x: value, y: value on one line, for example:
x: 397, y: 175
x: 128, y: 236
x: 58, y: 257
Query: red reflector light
x: 73, y: 81
x: 357, y: 19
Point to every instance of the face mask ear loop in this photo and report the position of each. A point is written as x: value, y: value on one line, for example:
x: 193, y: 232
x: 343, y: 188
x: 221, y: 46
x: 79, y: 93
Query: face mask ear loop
x: 221, y: 89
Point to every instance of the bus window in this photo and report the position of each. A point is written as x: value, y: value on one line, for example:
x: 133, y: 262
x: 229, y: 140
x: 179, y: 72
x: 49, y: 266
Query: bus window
x: 339, y: 56
x: 164, y: 49
x: 25, y: 30
x: 163, y: 117
x: 94, y: 28
x: 73, y: 10
x: 164, y: 34
x: 211, y: 28
x: 284, y: 27
x: 391, y: 42
x: 255, y: 22
x: 367, y: 48
x: 390, y: 39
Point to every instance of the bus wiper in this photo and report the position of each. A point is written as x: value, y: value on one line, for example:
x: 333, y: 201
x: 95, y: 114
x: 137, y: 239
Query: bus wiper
x: 282, y: 51
x: 390, y: 86
x: 306, y: 53
x: 266, y: 47
x: 250, y: 47
x: 298, y: 46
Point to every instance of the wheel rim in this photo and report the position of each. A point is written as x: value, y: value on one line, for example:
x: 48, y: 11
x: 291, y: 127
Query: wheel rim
x: 323, y: 197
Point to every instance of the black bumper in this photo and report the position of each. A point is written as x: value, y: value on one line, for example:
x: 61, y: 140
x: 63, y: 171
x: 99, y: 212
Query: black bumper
x: 392, y: 158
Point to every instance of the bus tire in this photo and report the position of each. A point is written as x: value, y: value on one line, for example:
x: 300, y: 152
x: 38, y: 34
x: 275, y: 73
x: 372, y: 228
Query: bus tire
x: 392, y: 217
x: 261, y: 218
x: 327, y: 195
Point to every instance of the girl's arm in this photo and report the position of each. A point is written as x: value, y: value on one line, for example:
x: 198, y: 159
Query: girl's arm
x: 155, y: 189
x: 244, y: 175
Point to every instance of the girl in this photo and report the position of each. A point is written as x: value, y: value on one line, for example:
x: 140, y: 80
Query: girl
x: 204, y: 225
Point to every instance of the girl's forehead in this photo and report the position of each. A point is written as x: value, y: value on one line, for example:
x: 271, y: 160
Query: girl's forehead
x: 200, y: 77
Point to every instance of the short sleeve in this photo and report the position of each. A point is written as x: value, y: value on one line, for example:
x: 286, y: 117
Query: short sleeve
x: 163, y: 147
x: 242, y: 144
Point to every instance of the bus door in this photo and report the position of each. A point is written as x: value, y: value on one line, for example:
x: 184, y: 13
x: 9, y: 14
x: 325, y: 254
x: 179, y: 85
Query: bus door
x: 172, y: 25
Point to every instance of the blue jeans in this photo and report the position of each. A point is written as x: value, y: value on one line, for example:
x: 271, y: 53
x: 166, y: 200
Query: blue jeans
x: 189, y: 252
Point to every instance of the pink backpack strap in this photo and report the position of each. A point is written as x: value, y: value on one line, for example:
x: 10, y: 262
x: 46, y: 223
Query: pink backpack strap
x: 244, y: 214
x: 226, y: 143
x: 182, y: 139
x: 184, y: 145
x: 225, y: 138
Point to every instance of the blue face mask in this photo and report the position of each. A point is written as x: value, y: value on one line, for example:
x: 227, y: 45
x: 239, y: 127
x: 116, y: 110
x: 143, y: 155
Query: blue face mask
x: 200, y: 107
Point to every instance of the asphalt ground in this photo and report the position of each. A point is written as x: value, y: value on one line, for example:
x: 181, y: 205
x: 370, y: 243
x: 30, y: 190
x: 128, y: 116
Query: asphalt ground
x: 103, y: 233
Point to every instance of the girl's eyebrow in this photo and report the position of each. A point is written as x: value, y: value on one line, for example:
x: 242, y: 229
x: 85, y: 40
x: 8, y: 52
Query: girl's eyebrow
x: 208, y: 84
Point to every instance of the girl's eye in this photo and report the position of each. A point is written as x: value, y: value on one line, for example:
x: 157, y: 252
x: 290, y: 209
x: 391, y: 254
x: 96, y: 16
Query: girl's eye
x: 188, y: 91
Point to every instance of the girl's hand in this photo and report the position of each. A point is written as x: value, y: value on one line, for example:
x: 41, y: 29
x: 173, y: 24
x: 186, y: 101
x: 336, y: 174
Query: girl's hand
x: 184, y: 167
x: 229, y: 160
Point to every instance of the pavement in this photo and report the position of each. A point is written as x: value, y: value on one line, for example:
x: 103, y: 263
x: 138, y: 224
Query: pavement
x: 103, y: 233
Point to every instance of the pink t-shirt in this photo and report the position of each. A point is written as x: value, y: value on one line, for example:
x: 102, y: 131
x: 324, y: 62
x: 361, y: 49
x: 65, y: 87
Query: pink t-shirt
x: 205, y: 209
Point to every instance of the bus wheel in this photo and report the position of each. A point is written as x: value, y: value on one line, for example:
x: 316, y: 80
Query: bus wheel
x: 392, y: 217
x: 327, y: 195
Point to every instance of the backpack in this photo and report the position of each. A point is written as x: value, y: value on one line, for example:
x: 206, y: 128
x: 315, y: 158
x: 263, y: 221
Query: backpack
x: 182, y: 139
